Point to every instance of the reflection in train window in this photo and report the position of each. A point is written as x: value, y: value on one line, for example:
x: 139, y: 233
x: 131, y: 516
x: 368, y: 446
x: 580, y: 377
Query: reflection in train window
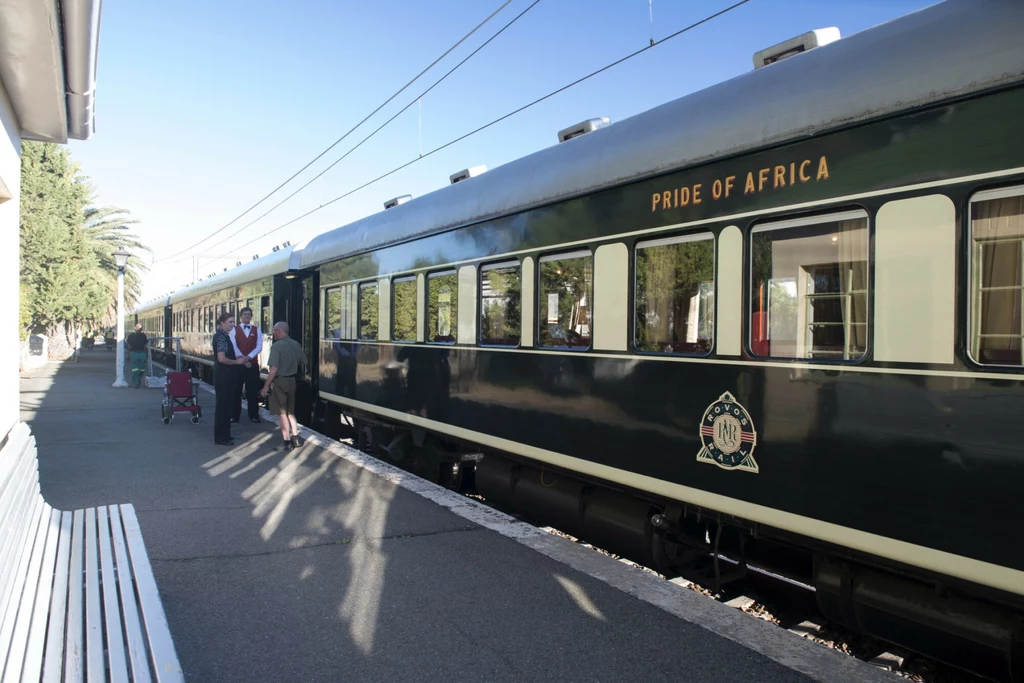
x: 404, y: 314
x: 501, y: 288
x: 265, y: 314
x: 997, y: 237
x: 675, y: 294
x: 369, y: 310
x: 442, y: 307
x: 564, y: 300
x: 332, y: 313
x: 809, y: 292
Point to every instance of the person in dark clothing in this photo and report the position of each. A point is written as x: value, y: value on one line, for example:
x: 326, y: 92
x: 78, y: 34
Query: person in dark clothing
x: 225, y: 378
x: 136, y: 343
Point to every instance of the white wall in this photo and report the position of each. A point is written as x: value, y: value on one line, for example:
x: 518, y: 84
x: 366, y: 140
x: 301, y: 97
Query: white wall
x: 10, y: 174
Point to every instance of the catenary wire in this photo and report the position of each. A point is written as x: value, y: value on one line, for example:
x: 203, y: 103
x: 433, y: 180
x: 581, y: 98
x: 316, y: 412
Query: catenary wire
x: 349, y: 132
x: 377, y: 130
x: 498, y: 120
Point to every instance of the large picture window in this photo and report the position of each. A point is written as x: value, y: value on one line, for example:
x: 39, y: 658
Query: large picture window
x: 675, y: 294
x: 369, y: 310
x: 501, y: 288
x: 403, y: 318
x: 997, y: 238
x: 443, y: 307
x: 809, y: 292
x: 564, y: 300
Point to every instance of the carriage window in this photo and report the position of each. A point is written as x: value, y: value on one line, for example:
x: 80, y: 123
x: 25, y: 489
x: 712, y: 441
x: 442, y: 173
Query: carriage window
x: 265, y: 314
x: 565, y: 294
x: 809, y: 293
x: 442, y: 307
x: 332, y: 313
x: 404, y: 314
x: 210, y: 318
x: 675, y: 294
x: 369, y: 310
x: 501, y: 288
x: 997, y: 238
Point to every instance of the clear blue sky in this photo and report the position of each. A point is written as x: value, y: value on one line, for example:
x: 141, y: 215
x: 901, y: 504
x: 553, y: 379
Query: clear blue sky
x: 204, y: 107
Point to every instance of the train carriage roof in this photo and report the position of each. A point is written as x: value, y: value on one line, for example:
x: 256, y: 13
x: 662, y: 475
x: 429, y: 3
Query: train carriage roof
x: 945, y: 51
x: 272, y: 264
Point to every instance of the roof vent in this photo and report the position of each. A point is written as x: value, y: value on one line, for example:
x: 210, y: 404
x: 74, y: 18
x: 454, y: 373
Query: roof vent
x: 794, y: 46
x: 255, y: 256
x: 467, y: 173
x: 238, y: 263
x: 392, y: 203
x: 276, y: 247
x: 582, y: 128
x: 287, y: 244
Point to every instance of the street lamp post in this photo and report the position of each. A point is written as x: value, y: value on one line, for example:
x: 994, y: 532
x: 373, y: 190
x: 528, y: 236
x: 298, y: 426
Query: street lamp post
x: 121, y: 259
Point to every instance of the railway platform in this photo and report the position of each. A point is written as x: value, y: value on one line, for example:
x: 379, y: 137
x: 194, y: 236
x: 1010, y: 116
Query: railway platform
x: 323, y: 564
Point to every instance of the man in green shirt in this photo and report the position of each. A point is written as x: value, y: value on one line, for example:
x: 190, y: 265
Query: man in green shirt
x: 285, y: 358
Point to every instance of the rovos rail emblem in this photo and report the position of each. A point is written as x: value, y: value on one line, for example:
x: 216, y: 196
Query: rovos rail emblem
x: 728, y: 435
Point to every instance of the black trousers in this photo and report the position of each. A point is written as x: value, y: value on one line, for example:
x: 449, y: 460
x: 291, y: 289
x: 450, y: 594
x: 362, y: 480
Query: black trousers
x: 250, y: 379
x: 225, y: 383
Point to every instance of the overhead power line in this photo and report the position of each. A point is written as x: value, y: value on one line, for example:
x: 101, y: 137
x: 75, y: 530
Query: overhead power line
x: 500, y: 119
x: 378, y: 129
x: 349, y: 132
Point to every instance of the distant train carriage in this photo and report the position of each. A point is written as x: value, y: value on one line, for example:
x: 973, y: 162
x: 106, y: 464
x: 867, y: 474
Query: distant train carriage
x: 269, y: 286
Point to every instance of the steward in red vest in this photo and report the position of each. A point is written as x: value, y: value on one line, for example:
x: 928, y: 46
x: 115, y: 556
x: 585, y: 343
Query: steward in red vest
x: 248, y: 341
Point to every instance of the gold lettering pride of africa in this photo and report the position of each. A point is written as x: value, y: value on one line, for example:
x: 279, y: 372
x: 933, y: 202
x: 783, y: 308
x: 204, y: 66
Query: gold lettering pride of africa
x: 755, y: 182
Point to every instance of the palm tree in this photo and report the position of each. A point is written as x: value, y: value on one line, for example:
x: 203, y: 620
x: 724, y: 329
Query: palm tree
x: 106, y: 228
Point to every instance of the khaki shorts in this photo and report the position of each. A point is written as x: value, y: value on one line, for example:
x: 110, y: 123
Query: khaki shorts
x: 282, y: 396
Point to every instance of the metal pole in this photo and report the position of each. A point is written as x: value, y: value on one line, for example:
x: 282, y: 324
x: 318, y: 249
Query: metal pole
x: 119, y: 375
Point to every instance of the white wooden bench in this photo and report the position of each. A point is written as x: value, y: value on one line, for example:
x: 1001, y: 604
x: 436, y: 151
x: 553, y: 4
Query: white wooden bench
x: 78, y: 601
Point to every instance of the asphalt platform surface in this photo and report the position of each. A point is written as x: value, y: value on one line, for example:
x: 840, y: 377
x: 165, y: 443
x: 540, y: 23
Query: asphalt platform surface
x: 301, y: 566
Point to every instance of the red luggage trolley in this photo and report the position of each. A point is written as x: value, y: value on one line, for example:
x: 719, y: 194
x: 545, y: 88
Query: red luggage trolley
x: 180, y: 396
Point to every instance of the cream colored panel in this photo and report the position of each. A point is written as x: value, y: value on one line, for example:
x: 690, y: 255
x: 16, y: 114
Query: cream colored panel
x: 384, y: 326
x: 611, y: 297
x: 421, y: 306
x: 527, y: 303
x: 915, y: 286
x: 467, y: 305
x: 729, y: 292
x: 353, y: 311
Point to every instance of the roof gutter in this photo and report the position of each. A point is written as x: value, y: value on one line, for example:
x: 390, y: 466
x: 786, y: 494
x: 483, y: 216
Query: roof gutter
x: 81, y: 20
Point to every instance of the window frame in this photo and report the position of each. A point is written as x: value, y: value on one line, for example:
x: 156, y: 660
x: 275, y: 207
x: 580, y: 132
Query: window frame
x: 699, y: 236
x: 402, y: 279
x: 582, y: 252
x: 480, y: 271
x: 265, y: 305
x: 359, y: 310
x: 781, y: 223
x: 978, y: 196
x: 447, y: 272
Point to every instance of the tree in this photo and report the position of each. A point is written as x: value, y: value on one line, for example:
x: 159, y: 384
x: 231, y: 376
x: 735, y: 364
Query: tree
x: 67, y: 271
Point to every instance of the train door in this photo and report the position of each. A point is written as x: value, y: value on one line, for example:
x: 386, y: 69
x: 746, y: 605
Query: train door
x: 300, y: 305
